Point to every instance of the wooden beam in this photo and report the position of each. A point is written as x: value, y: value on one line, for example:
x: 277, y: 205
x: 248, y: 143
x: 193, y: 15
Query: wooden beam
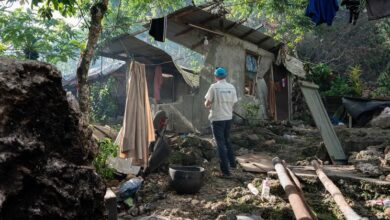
x: 205, y: 29
x: 296, y: 199
x: 212, y: 18
x: 338, y: 197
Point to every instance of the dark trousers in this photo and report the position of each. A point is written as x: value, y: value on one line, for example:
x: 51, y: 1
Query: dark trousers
x: 221, y: 132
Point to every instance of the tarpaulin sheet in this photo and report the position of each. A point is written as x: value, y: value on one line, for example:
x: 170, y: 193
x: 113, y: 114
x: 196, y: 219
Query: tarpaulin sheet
x: 357, y: 107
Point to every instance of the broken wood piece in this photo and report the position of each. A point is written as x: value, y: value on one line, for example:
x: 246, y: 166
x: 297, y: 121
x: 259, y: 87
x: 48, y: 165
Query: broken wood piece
x: 292, y: 175
x: 258, y: 163
x: 338, y: 197
x: 294, y: 197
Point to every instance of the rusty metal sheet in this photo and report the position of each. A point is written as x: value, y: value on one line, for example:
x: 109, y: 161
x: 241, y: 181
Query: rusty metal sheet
x: 321, y: 118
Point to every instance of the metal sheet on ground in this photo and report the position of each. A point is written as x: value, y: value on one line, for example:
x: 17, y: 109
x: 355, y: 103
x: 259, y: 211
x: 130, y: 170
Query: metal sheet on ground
x: 257, y: 163
x: 317, y: 109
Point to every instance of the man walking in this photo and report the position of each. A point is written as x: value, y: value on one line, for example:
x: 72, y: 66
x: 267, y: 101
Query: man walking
x: 220, y: 100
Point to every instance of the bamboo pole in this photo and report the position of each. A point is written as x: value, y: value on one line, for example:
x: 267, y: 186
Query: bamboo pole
x: 294, y: 197
x: 298, y: 185
x: 338, y: 197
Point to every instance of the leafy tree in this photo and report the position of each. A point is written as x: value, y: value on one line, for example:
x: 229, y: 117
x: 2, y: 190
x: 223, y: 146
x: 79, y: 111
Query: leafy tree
x: 103, y: 105
x: 26, y: 36
x: 285, y: 20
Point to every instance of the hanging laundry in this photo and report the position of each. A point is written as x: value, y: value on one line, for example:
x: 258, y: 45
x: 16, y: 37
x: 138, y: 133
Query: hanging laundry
x: 158, y: 28
x: 158, y: 80
x: 354, y: 9
x: 322, y: 11
x: 377, y: 9
x: 137, y: 131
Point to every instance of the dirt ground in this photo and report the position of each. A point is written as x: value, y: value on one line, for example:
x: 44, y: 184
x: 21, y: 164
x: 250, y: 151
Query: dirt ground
x: 225, y: 198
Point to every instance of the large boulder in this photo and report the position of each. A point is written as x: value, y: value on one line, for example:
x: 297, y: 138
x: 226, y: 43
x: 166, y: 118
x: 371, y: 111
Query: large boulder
x: 45, y: 148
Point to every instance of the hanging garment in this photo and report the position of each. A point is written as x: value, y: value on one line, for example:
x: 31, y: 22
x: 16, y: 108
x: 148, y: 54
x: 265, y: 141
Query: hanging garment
x: 158, y: 80
x: 322, y: 11
x: 377, y: 9
x: 137, y: 131
x: 158, y: 28
x: 354, y: 9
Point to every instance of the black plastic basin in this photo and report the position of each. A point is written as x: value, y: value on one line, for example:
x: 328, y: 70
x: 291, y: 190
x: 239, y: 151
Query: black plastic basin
x: 186, y: 179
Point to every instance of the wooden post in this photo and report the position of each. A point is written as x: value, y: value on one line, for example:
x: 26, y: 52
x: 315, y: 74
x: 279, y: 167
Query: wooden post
x: 338, y: 197
x: 349, y: 121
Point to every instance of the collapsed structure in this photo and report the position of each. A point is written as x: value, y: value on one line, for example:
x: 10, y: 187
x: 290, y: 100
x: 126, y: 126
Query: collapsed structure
x: 260, y: 73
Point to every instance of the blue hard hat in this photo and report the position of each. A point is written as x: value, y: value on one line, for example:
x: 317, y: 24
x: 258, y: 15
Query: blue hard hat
x: 220, y: 72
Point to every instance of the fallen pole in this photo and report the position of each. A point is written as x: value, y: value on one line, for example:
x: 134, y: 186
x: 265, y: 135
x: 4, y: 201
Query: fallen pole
x: 294, y: 197
x: 338, y: 197
x: 298, y: 185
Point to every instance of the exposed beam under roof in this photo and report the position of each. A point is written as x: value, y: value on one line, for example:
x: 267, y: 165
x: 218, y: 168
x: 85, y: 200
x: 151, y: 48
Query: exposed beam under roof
x: 212, y: 18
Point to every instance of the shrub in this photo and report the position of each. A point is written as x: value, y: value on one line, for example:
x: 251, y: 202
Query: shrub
x: 106, y: 148
x: 383, y: 82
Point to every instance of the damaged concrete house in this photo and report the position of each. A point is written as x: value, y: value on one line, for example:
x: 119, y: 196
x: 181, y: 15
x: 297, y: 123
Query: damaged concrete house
x: 176, y: 81
x: 251, y: 58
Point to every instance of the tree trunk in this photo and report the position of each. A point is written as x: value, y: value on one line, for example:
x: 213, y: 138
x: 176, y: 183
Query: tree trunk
x: 97, y: 13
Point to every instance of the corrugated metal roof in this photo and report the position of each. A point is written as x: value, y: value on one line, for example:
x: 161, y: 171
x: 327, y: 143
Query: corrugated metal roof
x: 128, y: 47
x: 94, y: 73
x: 321, y: 118
x: 181, y: 32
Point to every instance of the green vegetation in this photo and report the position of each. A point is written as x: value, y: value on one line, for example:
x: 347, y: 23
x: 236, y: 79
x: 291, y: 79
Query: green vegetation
x: 383, y: 85
x: 103, y: 105
x: 106, y: 149
x: 332, y: 84
x: 23, y: 35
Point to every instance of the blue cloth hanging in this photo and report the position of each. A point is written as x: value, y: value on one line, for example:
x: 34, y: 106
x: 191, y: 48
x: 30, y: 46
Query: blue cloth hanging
x: 322, y: 11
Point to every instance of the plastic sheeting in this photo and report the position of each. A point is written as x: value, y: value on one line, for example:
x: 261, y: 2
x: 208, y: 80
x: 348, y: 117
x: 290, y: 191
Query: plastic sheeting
x: 362, y: 110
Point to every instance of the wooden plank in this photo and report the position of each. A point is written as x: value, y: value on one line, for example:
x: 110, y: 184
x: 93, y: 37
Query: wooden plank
x: 341, y: 174
x: 258, y: 163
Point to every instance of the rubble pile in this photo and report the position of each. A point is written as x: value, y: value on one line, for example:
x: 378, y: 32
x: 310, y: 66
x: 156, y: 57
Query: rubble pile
x: 191, y: 150
x: 229, y: 198
x: 46, y: 149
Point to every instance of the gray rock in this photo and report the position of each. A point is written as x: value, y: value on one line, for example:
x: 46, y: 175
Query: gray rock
x: 382, y: 120
x: 369, y: 169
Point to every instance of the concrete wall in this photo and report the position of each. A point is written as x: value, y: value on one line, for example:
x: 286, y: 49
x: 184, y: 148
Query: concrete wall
x: 229, y: 52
